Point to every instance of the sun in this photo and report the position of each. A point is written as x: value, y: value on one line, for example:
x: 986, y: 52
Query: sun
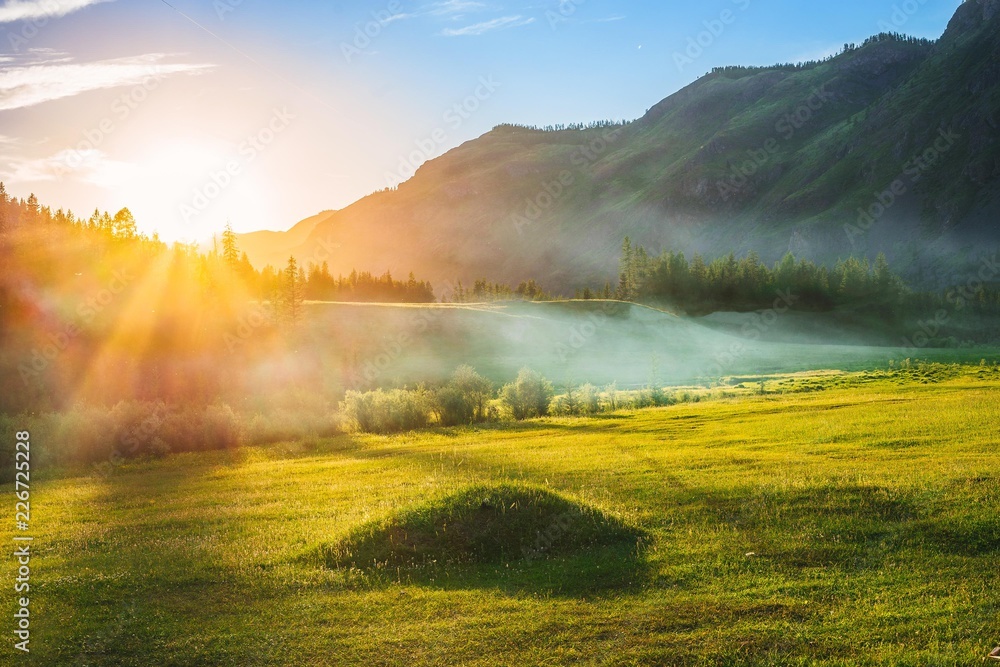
x: 185, y: 190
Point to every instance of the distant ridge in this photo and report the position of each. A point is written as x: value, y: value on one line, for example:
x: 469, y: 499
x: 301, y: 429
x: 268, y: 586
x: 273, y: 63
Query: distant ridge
x: 892, y: 145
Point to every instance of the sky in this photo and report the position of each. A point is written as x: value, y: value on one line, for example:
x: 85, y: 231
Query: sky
x: 259, y: 114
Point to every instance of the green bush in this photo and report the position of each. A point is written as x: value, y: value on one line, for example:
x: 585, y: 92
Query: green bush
x: 562, y: 406
x: 453, y: 407
x: 132, y: 429
x: 589, y: 398
x: 648, y: 397
x: 81, y: 435
x: 221, y: 428
x: 382, y: 411
x: 477, y: 390
x: 528, y: 396
x: 464, y: 400
x: 278, y: 425
x: 136, y: 428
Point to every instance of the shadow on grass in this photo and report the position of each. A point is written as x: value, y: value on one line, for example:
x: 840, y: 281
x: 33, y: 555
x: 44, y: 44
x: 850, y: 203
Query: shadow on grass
x: 510, y: 537
x: 604, y: 572
x: 966, y: 536
x: 854, y: 527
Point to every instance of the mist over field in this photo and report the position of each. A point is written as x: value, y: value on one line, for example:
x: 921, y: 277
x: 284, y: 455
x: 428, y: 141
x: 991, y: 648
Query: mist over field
x: 576, y: 342
x: 484, y: 334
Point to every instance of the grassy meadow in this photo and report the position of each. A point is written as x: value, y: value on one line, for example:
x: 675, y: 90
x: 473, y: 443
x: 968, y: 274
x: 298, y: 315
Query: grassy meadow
x: 838, y: 519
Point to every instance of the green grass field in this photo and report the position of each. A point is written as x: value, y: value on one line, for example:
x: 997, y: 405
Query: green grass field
x: 853, y: 523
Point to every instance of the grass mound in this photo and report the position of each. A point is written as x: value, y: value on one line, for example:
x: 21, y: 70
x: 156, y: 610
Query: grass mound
x: 482, y: 525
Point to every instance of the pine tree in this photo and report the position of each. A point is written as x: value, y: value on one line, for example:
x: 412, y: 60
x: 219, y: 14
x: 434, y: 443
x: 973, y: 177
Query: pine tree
x: 123, y: 225
x: 245, y: 268
x: 626, y: 274
x: 4, y: 221
x: 105, y: 224
x: 230, y: 250
x: 291, y: 293
x: 883, y: 276
x: 33, y: 208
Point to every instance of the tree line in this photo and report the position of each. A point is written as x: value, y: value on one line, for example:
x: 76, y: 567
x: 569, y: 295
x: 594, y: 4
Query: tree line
x: 319, y: 285
x: 738, y: 71
x: 560, y: 127
x: 744, y: 284
x: 887, y: 37
x: 731, y: 283
x: 484, y: 291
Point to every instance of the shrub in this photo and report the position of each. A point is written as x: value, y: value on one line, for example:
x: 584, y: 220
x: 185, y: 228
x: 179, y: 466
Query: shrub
x: 79, y: 435
x: 465, y: 399
x: 453, y: 408
x: 528, y: 396
x: 589, y: 397
x: 220, y: 428
x: 130, y: 429
x: 562, y: 407
x: 382, y: 411
x: 640, y: 399
x: 136, y: 428
x: 281, y: 424
x: 477, y: 389
x: 181, y: 431
x: 612, y: 397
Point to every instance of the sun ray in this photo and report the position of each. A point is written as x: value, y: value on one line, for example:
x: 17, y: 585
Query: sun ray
x: 129, y: 333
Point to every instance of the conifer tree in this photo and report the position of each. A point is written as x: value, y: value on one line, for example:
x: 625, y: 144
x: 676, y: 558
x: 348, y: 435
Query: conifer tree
x: 33, y: 208
x: 230, y: 250
x: 123, y: 225
x: 291, y: 293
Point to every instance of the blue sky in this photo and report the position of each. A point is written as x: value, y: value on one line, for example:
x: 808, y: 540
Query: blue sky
x: 263, y: 113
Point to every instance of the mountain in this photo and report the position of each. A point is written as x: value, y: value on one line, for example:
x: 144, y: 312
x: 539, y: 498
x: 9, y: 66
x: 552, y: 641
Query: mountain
x: 286, y: 242
x: 890, y: 146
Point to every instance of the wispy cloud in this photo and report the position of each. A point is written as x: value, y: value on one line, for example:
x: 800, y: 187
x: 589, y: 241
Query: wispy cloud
x: 555, y: 18
x: 487, y: 26
x: 38, y: 56
x: 88, y: 166
x: 26, y: 86
x: 609, y: 19
x: 453, y: 9
x: 26, y: 10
